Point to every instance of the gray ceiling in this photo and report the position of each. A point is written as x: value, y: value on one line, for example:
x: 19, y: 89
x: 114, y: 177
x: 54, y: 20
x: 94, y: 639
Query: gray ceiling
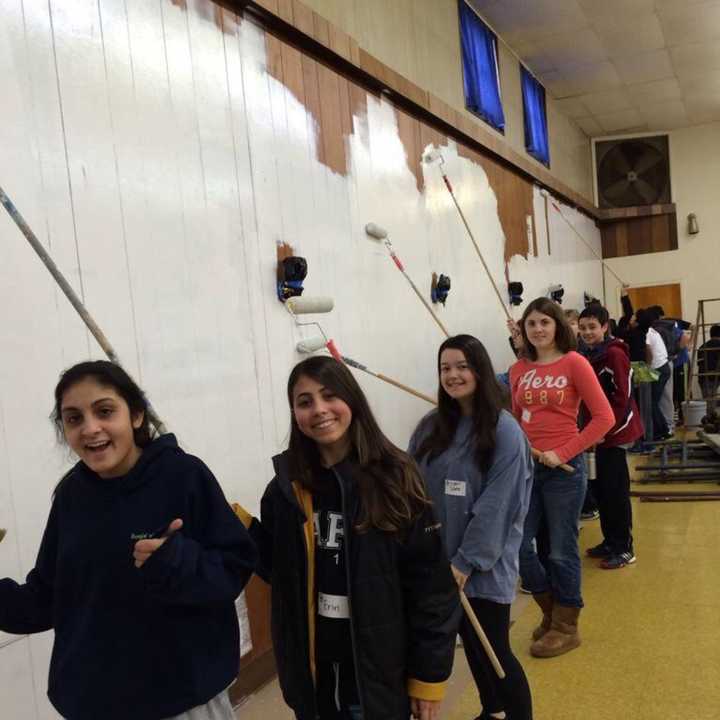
x: 619, y: 66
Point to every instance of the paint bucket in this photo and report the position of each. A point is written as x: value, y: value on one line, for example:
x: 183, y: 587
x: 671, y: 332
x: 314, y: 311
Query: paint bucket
x: 693, y: 412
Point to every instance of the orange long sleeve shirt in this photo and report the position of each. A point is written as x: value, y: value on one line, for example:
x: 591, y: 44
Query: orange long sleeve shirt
x: 546, y: 399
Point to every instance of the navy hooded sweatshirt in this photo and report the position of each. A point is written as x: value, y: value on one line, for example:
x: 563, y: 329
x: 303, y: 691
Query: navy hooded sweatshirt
x: 144, y: 643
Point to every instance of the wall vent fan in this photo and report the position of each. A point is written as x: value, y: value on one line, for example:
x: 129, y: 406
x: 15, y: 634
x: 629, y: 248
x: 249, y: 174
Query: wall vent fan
x: 634, y: 171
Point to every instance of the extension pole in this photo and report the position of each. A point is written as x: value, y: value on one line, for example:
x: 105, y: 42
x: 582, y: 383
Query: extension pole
x: 380, y: 233
x: 474, y: 242
x: 401, y: 268
x: 359, y: 366
x: 70, y: 294
x: 587, y: 244
x: 482, y: 637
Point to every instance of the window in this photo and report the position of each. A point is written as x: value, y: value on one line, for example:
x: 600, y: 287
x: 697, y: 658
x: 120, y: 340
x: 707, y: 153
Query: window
x: 536, y: 130
x: 480, y: 68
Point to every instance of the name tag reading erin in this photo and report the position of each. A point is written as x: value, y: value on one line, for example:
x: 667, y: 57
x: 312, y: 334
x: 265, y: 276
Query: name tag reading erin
x: 335, y: 607
x: 455, y: 487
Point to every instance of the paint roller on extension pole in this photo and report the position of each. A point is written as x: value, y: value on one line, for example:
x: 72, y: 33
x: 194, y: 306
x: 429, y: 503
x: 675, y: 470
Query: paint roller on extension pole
x: 309, y: 306
x: 431, y: 156
x: 70, y: 294
x: 381, y: 234
x: 317, y: 343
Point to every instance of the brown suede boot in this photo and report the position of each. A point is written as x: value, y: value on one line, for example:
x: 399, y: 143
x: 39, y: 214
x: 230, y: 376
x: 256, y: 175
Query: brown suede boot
x: 563, y: 634
x: 545, y: 601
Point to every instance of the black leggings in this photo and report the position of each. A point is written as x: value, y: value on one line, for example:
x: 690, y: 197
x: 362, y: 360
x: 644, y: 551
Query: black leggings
x: 511, y: 694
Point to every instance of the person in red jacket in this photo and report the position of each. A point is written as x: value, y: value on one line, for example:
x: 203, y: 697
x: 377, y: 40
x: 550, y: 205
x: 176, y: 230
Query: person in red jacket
x: 548, y: 383
x: 610, y: 359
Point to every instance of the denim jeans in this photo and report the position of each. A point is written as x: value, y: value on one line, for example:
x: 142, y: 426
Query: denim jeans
x: 556, y: 500
x: 660, y: 426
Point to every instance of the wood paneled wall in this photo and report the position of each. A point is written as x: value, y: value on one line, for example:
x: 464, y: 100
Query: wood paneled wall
x: 333, y: 100
x: 636, y: 236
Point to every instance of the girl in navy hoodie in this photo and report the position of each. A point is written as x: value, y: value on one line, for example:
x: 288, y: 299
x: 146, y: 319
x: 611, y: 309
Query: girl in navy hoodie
x: 139, y: 566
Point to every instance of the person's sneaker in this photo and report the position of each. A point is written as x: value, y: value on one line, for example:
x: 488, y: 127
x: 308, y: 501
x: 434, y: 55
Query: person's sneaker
x: 600, y: 551
x: 614, y: 562
x: 590, y: 515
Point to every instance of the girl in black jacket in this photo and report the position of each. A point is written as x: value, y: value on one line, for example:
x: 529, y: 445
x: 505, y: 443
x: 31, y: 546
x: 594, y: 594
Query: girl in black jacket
x: 364, y: 606
x: 139, y: 567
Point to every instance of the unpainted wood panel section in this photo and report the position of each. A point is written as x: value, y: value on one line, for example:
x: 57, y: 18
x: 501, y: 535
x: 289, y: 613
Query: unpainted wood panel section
x: 639, y: 235
x: 669, y: 297
x: 515, y: 202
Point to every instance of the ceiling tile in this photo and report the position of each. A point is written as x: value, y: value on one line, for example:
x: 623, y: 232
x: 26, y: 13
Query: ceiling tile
x: 584, y: 79
x: 685, y: 22
x: 695, y: 58
x: 645, y: 67
x: 703, y: 108
x: 607, y: 101
x: 655, y: 92
x: 555, y: 83
x: 522, y: 21
x: 590, y: 126
x: 665, y: 115
x: 622, y: 120
x: 706, y: 84
x: 572, y: 107
x: 621, y: 38
x: 570, y: 48
x: 615, y: 8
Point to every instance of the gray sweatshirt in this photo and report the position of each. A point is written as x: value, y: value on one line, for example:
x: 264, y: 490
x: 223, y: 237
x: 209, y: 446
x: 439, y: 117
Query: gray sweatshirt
x: 482, y: 513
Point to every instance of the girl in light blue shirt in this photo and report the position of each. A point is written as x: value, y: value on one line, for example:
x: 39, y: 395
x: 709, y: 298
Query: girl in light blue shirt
x: 478, y: 469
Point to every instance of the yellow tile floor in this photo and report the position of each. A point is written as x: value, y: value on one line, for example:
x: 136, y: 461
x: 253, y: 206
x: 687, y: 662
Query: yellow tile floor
x: 650, y: 631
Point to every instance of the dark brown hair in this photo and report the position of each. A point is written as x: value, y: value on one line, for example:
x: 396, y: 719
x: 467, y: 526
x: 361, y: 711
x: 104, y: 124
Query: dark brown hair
x: 107, y: 375
x: 392, y: 492
x: 565, y: 339
x: 488, y: 402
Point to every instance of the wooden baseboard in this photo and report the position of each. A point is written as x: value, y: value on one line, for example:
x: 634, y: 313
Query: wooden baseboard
x: 254, y: 673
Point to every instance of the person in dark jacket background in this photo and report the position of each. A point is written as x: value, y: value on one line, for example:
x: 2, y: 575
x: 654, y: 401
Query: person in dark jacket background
x: 610, y: 359
x: 139, y: 567
x: 365, y: 610
x: 477, y: 465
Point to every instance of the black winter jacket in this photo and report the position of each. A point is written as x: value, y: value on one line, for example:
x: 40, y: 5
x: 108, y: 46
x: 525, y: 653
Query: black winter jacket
x: 404, y: 603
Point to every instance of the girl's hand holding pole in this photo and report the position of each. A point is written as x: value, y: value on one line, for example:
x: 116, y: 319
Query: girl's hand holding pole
x: 145, y: 548
x: 424, y: 709
x: 460, y: 578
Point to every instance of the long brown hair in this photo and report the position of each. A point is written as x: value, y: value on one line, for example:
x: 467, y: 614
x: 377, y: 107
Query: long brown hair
x: 488, y: 403
x: 392, y: 492
x: 565, y: 340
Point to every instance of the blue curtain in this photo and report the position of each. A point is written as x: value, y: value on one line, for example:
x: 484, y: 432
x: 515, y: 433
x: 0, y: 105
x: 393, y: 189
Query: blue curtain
x: 480, y: 73
x: 536, y: 131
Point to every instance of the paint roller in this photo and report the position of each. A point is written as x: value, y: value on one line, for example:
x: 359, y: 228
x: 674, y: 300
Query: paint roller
x: 69, y: 293
x: 309, y: 306
x: 432, y: 155
x: 380, y: 233
x: 312, y: 344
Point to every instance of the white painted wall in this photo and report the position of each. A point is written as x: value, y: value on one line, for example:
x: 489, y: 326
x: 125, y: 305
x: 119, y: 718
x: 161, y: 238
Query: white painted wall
x: 695, y: 182
x: 160, y: 163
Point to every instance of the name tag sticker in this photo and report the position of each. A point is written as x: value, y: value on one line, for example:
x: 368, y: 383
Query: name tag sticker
x: 455, y: 487
x: 335, y: 607
x: 526, y: 415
